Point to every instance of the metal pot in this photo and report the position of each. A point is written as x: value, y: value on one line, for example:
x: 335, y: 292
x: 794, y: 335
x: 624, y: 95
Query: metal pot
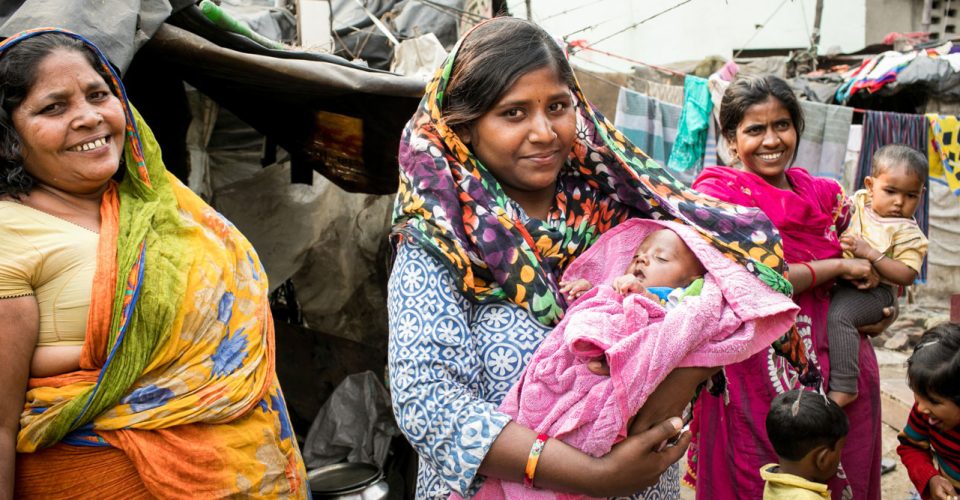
x: 348, y: 481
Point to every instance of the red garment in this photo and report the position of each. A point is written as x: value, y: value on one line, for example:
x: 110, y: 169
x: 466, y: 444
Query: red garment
x: 919, y: 443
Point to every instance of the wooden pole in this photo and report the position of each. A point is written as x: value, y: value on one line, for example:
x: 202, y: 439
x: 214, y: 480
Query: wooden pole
x: 815, y: 37
x: 529, y: 10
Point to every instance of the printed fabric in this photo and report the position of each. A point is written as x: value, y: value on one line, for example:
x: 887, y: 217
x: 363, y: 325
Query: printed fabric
x: 944, y: 150
x: 177, y: 369
x: 729, y: 442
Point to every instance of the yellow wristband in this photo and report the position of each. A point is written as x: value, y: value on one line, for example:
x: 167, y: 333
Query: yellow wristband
x: 531, y: 469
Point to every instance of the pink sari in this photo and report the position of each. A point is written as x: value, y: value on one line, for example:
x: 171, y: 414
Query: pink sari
x: 730, y: 443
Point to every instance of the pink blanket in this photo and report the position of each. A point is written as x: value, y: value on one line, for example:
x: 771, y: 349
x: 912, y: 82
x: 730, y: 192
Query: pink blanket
x: 734, y: 317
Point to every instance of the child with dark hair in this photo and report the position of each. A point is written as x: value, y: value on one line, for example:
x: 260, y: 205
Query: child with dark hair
x: 807, y: 431
x: 882, y: 230
x: 930, y: 442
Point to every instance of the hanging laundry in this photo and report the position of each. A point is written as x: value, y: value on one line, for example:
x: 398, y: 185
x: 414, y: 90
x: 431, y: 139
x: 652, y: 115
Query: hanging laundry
x: 881, y: 128
x: 672, y: 94
x: 649, y: 123
x: 852, y: 158
x: 874, y: 73
x: 691, y: 139
x: 823, y: 144
x: 710, y: 153
x: 718, y: 86
x: 944, y: 150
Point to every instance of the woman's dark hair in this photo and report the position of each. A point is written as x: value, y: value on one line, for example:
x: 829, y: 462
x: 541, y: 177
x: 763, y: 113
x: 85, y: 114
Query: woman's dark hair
x: 934, y: 367
x: 491, y: 59
x: 816, y: 421
x: 750, y: 90
x: 894, y: 155
x: 18, y: 73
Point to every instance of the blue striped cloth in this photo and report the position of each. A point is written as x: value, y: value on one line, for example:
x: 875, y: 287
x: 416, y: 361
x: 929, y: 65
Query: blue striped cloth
x: 649, y: 123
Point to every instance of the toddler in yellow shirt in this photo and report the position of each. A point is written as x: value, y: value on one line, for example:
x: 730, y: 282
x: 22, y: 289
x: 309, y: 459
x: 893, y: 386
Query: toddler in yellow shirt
x: 883, y: 231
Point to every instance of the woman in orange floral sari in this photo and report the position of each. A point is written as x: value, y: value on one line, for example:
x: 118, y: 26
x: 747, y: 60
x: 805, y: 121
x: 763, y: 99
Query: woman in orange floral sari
x: 139, y: 357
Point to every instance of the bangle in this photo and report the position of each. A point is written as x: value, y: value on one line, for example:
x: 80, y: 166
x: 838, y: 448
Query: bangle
x: 878, y: 259
x: 532, y: 460
x: 813, y: 274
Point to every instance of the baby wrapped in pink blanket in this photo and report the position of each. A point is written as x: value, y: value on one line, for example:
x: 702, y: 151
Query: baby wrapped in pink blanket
x: 733, y: 317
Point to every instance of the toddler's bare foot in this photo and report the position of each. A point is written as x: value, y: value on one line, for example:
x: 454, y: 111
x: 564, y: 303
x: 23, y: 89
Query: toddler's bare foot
x: 842, y: 398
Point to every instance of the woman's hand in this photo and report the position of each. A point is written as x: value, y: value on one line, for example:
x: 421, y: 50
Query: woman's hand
x: 634, y: 464
x: 860, y: 272
x: 889, y: 316
x: 630, y: 466
x: 941, y: 489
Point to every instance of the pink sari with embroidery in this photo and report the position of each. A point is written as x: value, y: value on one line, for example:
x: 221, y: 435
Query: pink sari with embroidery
x: 730, y: 443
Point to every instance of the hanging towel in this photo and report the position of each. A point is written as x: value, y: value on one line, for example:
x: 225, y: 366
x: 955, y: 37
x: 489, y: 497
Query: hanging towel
x: 881, y: 128
x: 823, y: 145
x: 691, y: 140
x: 944, y: 150
x: 851, y: 160
x: 649, y: 123
x: 710, y: 154
x: 718, y: 86
x: 734, y: 317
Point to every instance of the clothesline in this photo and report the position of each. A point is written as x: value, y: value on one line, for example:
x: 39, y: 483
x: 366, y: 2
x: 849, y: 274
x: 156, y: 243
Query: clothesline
x: 583, y: 45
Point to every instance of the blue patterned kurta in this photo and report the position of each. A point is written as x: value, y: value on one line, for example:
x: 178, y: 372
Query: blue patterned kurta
x: 452, y: 362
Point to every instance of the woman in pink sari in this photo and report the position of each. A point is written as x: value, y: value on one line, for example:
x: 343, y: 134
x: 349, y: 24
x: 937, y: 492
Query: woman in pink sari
x: 762, y: 121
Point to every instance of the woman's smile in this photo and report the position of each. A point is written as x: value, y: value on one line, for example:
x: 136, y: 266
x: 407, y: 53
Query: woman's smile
x: 546, y: 158
x: 99, y: 143
x: 770, y: 157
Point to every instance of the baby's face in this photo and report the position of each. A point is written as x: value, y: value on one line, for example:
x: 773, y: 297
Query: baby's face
x: 895, y: 192
x: 663, y: 259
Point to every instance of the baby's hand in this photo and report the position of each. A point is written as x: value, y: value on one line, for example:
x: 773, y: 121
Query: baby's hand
x: 627, y: 284
x: 856, y: 245
x: 574, y: 289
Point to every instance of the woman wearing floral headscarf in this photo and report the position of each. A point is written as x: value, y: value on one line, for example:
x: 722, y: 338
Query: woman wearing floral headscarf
x: 507, y: 174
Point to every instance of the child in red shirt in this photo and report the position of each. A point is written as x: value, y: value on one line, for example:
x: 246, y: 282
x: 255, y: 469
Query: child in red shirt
x: 930, y: 442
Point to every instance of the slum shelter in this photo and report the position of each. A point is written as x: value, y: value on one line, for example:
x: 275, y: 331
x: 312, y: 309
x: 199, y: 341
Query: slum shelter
x: 853, y: 106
